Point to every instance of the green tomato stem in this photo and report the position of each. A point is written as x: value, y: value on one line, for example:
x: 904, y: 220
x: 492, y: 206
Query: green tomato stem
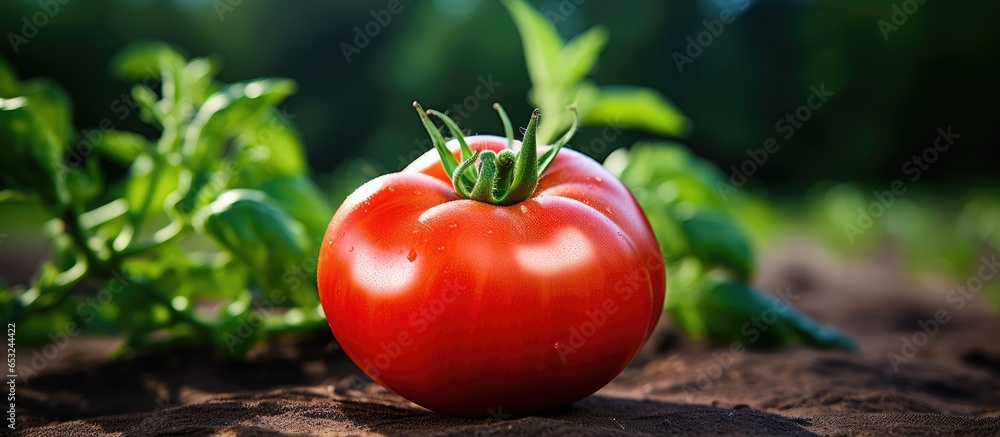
x: 447, y: 159
x: 550, y: 155
x: 508, y: 129
x: 505, y: 171
x: 504, y: 178
x: 525, y: 167
x: 462, y: 186
x: 483, y: 191
x: 457, y: 133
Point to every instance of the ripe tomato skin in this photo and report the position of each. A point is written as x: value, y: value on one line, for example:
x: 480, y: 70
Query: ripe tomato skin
x: 466, y: 308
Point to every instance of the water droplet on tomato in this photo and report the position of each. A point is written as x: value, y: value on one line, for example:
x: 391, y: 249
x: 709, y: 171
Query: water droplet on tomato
x: 412, y: 255
x: 598, y: 179
x: 352, y: 249
x: 440, y: 248
x: 556, y: 345
x: 418, y: 192
x: 453, y: 225
x: 489, y: 232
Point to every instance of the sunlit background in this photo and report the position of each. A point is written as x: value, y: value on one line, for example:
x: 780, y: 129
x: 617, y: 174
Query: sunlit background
x: 844, y: 151
x: 936, y: 70
x: 897, y: 74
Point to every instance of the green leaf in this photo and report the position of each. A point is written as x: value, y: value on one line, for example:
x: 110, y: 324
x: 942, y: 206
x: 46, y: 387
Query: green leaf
x: 121, y: 146
x: 541, y: 42
x: 148, y: 184
x: 269, y: 149
x: 219, y: 278
x: 8, y: 80
x: 636, y: 108
x: 51, y: 105
x: 235, y: 137
x: 198, y: 189
x: 253, y: 226
x: 672, y: 185
x: 980, y: 217
x: 85, y: 182
x: 715, y: 240
x: 195, y: 276
x: 146, y: 99
x: 726, y: 311
x: 177, y: 103
x: 668, y: 170
x: 699, y: 236
x: 230, y: 112
x: 141, y: 60
x: 199, y: 73
x: 301, y: 199
x: 255, y: 229
x: 35, y: 129
x: 238, y: 330
x: 577, y: 59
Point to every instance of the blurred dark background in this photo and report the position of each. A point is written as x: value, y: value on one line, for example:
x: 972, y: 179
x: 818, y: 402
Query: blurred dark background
x: 938, y: 69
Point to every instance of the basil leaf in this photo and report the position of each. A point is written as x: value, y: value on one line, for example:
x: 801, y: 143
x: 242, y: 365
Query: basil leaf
x: 255, y: 230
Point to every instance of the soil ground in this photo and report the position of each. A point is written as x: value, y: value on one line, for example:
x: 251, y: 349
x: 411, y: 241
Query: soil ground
x: 949, y: 386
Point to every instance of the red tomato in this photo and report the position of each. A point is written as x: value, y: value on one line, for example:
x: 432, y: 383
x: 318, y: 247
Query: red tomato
x: 472, y: 309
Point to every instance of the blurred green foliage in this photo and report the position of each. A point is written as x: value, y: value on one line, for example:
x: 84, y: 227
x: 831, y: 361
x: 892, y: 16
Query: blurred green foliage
x: 930, y: 235
x: 558, y: 71
x: 709, y: 259
x: 210, y: 237
x: 890, y: 95
x: 202, y: 204
x: 710, y: 262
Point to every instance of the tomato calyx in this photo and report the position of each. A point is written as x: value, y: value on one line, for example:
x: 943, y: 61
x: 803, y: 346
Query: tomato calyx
x: 499, y: 178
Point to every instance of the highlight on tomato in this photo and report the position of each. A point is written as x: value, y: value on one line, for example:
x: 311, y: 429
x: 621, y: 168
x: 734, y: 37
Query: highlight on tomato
x: 492, y: 275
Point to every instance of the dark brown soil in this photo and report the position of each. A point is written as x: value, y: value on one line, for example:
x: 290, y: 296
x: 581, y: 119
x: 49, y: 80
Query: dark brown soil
x: 950, y: 386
